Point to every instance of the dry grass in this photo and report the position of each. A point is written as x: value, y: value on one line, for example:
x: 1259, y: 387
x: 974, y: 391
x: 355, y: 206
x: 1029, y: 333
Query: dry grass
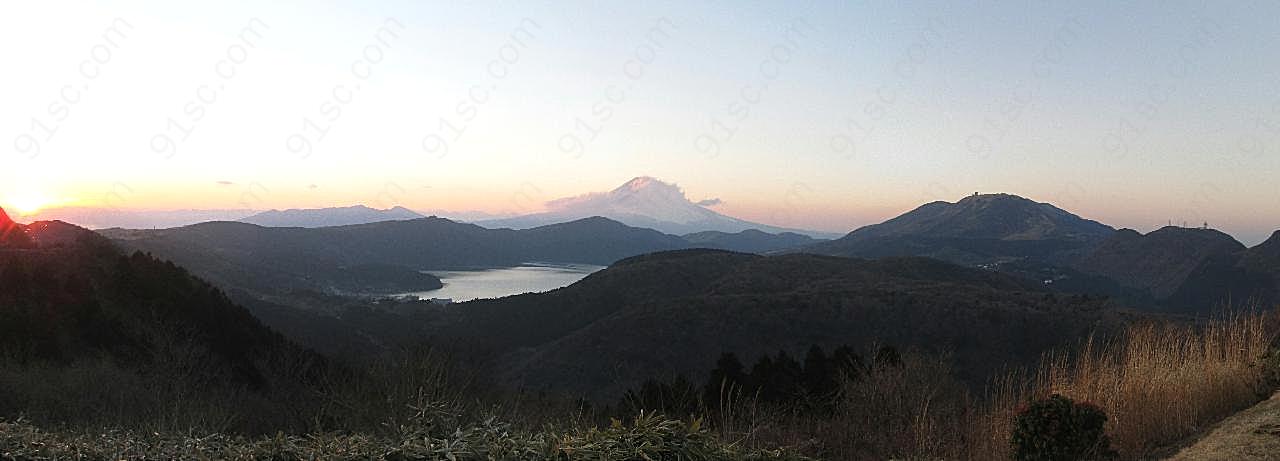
x: 647, y: 437
x: 1159, y: 383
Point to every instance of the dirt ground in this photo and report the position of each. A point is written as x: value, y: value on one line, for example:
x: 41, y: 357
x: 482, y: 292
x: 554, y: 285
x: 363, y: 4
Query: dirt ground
x: 1250, y: 435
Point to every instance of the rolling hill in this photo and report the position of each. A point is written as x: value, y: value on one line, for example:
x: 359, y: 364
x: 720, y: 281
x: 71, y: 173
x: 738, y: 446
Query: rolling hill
x: 675, y: 312
x: 981, y: 229
x: 276, y: 259
x: 750, y: 241
x: 75, y: 311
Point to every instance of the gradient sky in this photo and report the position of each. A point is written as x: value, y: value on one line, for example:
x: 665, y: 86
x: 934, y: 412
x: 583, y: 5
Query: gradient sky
x: 826, y: 115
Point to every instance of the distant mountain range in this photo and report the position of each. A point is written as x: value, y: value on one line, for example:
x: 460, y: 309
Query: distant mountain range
x: 351, y: 258
x: 1175, y: 268
x: 102, y: 218
x: 1004, y: 279
x: 1189, y: 269
x: 328, y: 217
x: 271, y: 259
x: 642, y: 202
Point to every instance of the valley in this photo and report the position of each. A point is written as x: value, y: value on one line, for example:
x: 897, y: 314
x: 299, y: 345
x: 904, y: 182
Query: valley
x: 639, y: 231
x: 989, y: 286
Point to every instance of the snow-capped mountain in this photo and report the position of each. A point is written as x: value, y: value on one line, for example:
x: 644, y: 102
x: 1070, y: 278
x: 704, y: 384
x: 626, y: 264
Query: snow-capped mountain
x: 641, y: 202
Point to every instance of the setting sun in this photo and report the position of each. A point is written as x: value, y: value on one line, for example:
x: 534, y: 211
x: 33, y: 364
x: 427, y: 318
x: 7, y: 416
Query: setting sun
x: 28, y: 203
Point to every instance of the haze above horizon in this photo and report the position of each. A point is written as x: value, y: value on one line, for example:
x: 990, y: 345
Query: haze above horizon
x: 825, y: 116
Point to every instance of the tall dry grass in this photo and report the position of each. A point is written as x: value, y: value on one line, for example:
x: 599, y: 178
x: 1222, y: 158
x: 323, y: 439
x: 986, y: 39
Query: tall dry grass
x: 1159, y: 383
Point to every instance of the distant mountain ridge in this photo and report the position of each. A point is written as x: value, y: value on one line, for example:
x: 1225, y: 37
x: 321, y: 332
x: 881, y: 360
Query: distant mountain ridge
x: 749, y: 241
x: 329, y: 217
x: 1175, y: 268
x: 104, y: 218
x: 641, y: 202
x: 979, y: 229
x: 1189, y: 269
x: 271, y: 259
x: 1161, y: 260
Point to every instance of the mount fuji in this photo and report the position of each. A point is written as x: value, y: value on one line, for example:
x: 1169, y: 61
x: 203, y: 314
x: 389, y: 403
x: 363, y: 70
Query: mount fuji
x: 641, y: 202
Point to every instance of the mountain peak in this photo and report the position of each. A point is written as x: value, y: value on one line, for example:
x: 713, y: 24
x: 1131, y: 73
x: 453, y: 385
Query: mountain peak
x: 4, y: 219
x: 1265, y: 256
x: 643, y: 182
x: 1000, y: 196
x: 990, y: 216
x: 1273, y: 241
x: 652, y: 187
x: 977, y: 229
x: 643, y: 201
x: 1213, y: 235
x: 1270, y: 247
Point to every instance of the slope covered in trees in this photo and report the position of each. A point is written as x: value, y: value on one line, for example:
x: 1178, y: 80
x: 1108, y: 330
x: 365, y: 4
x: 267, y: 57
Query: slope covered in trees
x: 86, y: 330
x: 673, y: 313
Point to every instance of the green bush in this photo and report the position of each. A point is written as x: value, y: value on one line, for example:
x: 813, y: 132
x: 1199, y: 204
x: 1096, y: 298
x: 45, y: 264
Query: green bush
x: 1060, y: 429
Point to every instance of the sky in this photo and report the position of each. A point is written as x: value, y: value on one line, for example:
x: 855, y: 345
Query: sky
x: 820, y: 115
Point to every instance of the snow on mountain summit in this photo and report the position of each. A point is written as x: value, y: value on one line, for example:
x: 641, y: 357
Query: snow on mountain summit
x: 643, y: 196
x: 641, y: 202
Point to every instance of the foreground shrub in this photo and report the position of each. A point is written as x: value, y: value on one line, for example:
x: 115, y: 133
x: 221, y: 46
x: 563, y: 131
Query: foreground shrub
x: 1059, y: 429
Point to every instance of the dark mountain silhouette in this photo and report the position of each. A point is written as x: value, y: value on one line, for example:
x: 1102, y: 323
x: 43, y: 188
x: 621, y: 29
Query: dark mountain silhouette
x: 675, y: 312
x: 327, y: 217
x: 981, y: 229
x: 1265, y: 257
x: 12, y: 235
x: 641, y: 202
x: 1262, y: 263
x: 75, y: 306
x: 1160, y: 261
x: 1187, y: 269
x: 272, y: 259
x: 749, y: 241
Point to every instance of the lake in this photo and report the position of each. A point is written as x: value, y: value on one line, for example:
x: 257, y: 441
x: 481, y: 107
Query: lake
x: 495, y: 283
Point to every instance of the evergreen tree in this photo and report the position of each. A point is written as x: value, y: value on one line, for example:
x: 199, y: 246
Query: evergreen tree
x: 784, y: 384
x: 726, y: 382
x: 887, y: 356
x: 819, y: 374
x: 760, y: 377
x: 847, y: 364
